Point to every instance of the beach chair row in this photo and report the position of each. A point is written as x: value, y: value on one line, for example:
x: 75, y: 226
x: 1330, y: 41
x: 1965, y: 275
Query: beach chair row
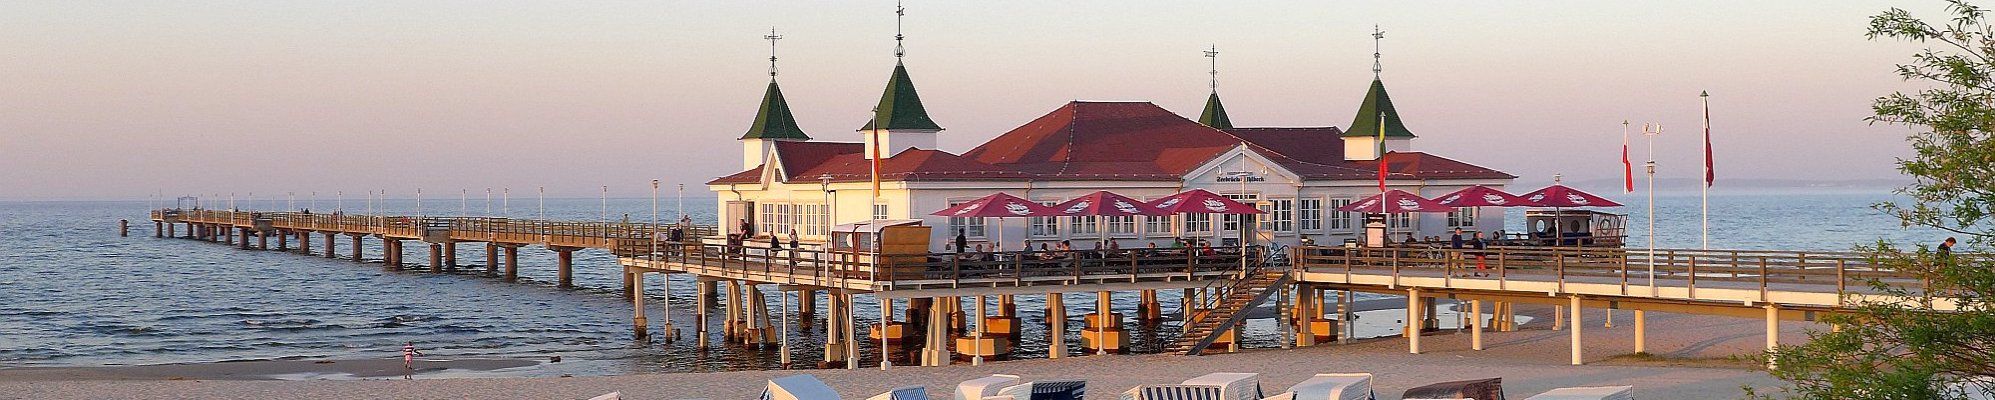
x: 1215, y: 386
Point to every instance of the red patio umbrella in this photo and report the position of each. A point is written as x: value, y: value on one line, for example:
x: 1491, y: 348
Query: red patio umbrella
x: 1105, y: 204
x: 1483, y: 196
x: 1199, y: 201
x: 1560, y: 196
x: 1395, y: 201
x: 997, y: 205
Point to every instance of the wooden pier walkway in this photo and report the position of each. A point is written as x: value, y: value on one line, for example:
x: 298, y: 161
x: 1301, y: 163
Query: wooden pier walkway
x: 1219, y: 285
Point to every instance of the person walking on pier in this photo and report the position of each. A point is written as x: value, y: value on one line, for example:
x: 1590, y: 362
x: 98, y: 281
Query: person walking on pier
x: 961, y: 241
x: 794, y: 243
x: 1481, y: 262
x: 1945, y: 252
x: 409, y: 354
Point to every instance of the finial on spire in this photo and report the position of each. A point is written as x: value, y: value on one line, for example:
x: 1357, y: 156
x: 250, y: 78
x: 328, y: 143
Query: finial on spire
x: 1377, y: 67
x: 899, y: 50
x: 772, y: 37
x: 1213, y: 53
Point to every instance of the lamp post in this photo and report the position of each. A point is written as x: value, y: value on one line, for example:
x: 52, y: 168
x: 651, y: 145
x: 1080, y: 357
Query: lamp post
x: 488, y: 201
x: 543, y: 203
x: 1650, y: 168
x: 831, y: 210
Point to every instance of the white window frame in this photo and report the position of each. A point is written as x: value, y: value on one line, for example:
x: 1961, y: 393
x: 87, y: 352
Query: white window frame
x: 1340, y: 221
x: 1232, y: 222
x: 1198, y: 224
x: 973, y: 228
x: 1121, y: 226
x: 1309, y: 214
x: 1281, y: 215
x: 880, y: 211
x: 1044, y: 227
x: 1462, y: 217
x: 1084, y: 225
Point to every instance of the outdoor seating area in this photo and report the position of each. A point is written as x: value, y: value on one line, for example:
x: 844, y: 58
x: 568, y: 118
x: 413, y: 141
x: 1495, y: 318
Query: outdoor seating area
x: 1214, y: 386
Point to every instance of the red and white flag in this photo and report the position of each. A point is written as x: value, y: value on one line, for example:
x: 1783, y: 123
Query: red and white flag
x: 1710, y: 174
x: 1627, y: 167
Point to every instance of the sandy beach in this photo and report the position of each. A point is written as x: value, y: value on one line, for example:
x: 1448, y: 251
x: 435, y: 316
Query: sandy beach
x: 1695, y: 357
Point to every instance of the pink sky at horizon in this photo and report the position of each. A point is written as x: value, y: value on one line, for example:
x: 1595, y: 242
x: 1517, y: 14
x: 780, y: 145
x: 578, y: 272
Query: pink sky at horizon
x: 125, y: 99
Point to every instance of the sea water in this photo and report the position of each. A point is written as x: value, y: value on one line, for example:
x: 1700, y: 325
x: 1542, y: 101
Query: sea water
x: 76, y: 294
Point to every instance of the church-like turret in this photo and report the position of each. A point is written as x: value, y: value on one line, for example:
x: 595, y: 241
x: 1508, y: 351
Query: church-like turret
x: 773, y: 121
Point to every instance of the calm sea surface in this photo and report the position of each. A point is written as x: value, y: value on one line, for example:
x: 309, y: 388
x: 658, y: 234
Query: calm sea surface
x: 77, y: 294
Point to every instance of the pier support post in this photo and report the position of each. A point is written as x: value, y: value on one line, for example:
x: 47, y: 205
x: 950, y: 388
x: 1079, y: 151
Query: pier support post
x: 492, y: 259
x: 785, y: 315
x: 886, y: 319
x: 1475, y: 324
x: 1772, y: 333
x: 835, y: 326
x: 1056, y: 326
x: 1347, y: 318
x: 1413, y: 320
x: 1432, y: 322
x: 1558, y: 317
x: 564, y: 266
x: 450, y: 255
x: 1104, y: 316
x: 356, y: 247
x: 391, y: 253
x: 331, y: 245
x: 242, y: 238
x: 283, y: 241
x: 640, y: 327
x: 703, y: 293
x: 730, y: 327
x: 262, y: 240
x: 1147, y: 308
x: 806, y: 306
x: 435, y: 257
x: 158, y: 229
x: 305, y: 242
x: 983, y: 322
x: 172, y: 230
x: 1576, y: 324
x: 1305, y: 318
x: 935, y: 349
x: 1641, y: 332
x: 513, y: 267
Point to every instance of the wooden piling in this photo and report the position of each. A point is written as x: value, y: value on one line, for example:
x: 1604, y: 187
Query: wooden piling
x: 564, y: 267
x: 1056, y: 326
x: 124, y: 228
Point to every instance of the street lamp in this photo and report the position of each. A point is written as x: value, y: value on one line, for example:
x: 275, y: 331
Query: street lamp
x: 831, y: 211
x: 1650, y: 168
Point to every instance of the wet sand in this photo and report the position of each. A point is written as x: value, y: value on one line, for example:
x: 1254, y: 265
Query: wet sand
x: 1695, y: 357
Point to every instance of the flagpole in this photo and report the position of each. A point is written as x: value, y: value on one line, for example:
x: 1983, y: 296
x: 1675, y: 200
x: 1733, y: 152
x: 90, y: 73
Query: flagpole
x: 1705, y: 97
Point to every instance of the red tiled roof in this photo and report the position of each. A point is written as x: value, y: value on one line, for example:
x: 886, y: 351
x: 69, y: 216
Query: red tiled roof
x: 1110, y: 141
x: 1106, y: 141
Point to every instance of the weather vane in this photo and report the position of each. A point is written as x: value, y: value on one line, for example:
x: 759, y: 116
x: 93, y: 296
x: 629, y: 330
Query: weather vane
x: 1213, y: 53
x: 1377, y: 35
x: 772, y: 37
x: 899, y: 11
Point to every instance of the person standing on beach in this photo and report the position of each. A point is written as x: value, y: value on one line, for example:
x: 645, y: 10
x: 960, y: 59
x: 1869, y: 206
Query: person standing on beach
x: 409, y: 354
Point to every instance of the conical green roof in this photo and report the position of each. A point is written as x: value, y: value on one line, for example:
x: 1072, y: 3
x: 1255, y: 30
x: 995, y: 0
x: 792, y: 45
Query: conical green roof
x: 900, y: 107
x: 1376, y: 101
x: 1215, y: 113
x: 774, y: 121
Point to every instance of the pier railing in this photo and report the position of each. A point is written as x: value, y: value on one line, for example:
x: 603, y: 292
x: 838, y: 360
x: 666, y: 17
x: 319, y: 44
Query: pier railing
x: 565, y: 233
x: 938, y: 270
x: 1726, y: 275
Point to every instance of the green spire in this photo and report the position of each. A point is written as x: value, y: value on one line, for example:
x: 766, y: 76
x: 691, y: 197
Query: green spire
x: 1215, y: 113
x: 1376, y: 101
x: 900, y: 107
x: 774, y: 121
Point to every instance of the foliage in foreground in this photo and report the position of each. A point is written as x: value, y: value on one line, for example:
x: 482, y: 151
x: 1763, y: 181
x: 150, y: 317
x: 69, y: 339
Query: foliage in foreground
x: 1899, y: 350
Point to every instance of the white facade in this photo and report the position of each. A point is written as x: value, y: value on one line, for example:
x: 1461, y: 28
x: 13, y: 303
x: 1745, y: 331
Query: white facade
x: 1297, y: 208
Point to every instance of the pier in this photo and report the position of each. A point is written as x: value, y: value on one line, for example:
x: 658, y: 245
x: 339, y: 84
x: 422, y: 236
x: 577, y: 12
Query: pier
x: 1219, y: 285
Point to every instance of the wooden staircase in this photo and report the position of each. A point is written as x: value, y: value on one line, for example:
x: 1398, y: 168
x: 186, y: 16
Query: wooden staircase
x: 1229, y: 308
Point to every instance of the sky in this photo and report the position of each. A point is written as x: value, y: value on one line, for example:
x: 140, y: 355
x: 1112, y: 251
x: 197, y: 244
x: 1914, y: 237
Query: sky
x: 125, y: 100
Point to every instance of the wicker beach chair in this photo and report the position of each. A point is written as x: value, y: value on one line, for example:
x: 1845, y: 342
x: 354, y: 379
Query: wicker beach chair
x: 798, y: 387
x: 1357, y: 386
x: 983, y: 388
x: 1587, y: 393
